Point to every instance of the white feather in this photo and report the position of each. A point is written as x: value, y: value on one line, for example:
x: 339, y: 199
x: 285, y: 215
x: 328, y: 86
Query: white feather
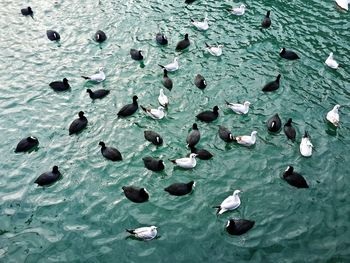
x: 173, y: 66
x: 239, y: 108
x: 238, y: 11
x: 333, y: 115
x: 188, y: 162
x: 230, y: 203
x: 201, y: 25
x: 145, y: 233
x: 215, y: 51
x: 98, y: 77
x: 163, y: 99
x: 247, y: 140
x: 306, y: 147
x: 344, y: 4
x: 156, y: 114
x: 330, y: 62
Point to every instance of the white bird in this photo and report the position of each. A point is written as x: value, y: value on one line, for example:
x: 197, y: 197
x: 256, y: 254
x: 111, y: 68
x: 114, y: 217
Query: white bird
x: 144, y: 233
x: 215, y: 51
x: 156, y: 114
x: 163, y: 99
x: 238, y: 11
x: 306, y: 145
x: 239, y: 108
x: 247, y: 140
x: 333, y: 116
x: 172, y: 66
x: 201, y: 25
x: 98, y: 77
x: 187, y: 162
x: 344, y: 4
x: 230, y: 203
x: 330, y: 62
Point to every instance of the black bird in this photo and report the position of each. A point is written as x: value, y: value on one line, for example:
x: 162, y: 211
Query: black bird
x: 129, y: 109
x: 98, y: 94
x: 183, y: 44
x: 136, y: 54
x: 200, y: 82
x: 136, y: 195
x: 294, y: 178
x: 110, y: 153
x: 225, y: 134
x: 153, y: 164
x: 201, y: 153
x: 100, y: 36
x: 78, y: 124
x: 194, y: 136
x: 189, y: 1
x: 53, y: 35
x: 166, y: 81
x: 27, y: 11
x: 239, y: 226
x: 48, y: 177
x: 161, y: 39
x: 266, y: 23
x: 274, y: 124
x: 209, y: 116
x: 153, y: 137
x: 60, y: 85
x: 289, y: 130
x: 27, y: 144
x: 180, y: 189
x: 288, y: 54
x: 272, y: 85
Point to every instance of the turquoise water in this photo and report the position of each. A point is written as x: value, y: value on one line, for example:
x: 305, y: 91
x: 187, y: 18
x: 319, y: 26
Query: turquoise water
x: 82, y: 218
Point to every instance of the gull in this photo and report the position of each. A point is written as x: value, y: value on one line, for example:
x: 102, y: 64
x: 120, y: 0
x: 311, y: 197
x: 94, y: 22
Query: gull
x: 172, y: 66
x: 215, y: 51
x: 238, y: 11
x: 187, y: 162
x: 163, y: 99
x: 306, y: 145
x: 247, y: 140
x: 239, y: 108
x: 330, y: 62
x: 98, y: 77
x: 230, y: 203
x: 144, y: 233
x: 156, y: 114
x: 344, y: 4
x: 201, y: 25
x: 333, y: 115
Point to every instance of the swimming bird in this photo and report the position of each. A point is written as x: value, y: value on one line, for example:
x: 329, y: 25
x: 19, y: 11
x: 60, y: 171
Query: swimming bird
x: 98, y: 77
x: 166, y: 81
x: 209, y: 116
x: 288, y: 54
x: 330, y: 62
x: 27, y: 144
x: 239, y: 226
x: 247, y: 140
x: 156, y: 114
x: 343, y: 4
x: 135, y: 194
x: 186, y: 162
x: 161, y: 39
x: 200, y: 81
x: 294, y: 178
x: 110, y: 153
x: 333, y: 115
x: 194, y: 136
x: 272, y: 85
x: 144, y: 233
x: 230, y: 203
x: 27, y: 11
x: 289, y: 130
x: 100, y: 36
x: 153, y: 137
x: 239, y: 108
x: 180, y: 189
x: 153, y: 164
x: 238, y: 11
x: 215, y: 51
x: 60, y: 85
x: 274, y: 124
x: 129, y: 109
x: 189, y: 1
x: 163, y: 99
x: 53, y: 35
x: 172, y: 66
x: 78, y: 124
x: 201, y: 25
x: 306, y: 145
x: 183, y: 44
x: 225, y: 134
x: 48, y: 178
x: 98, y: 94
x: 136, y: 54
x: 266, y: 23
x: 201, y: 153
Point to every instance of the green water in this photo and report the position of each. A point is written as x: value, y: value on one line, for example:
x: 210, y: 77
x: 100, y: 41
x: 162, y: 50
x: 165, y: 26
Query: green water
x: 82, y: 218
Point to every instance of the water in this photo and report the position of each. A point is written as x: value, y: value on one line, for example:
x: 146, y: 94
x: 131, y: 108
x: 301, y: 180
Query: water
x: 83, y: 217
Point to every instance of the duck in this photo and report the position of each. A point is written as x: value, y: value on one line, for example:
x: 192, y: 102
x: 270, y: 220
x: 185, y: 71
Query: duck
x: 333, y: 115
x: 289, y: 130
x: 239, y: 108
x: 163, y: 99
x: 136, y: 54
x: 129, y: 109
x: 78, y: 124
x: 110, y: 153
x: 225, y: 134
x: 180, y: 189
x: 172, y: 66
x: 306, y: 145
x: 288, y: 54
x: 343, y: 4
x: 27, y: 144
x: 100, y: 36
x: 273, y: 85
x: 48, y: 178
x: 330, y: 62
x: 166, y: 81
x: 27, y: 11
x: 200, y: 81
x: 186, y: 162
x: 183, y: 44
x: 230, y: 203
x: 247, y: 140
x: 209, y: 116
x: 238, y: 11
x: 201, y: 25
x: 60, y: 85
x: 98, y: 77
x: 274, y: 124
x: 201, y: 153
x: 153, y: 164
x: 215, y: 51
x: 144, y: 233
x: 153, y: 137
x: 194, y: 136
x: 135, y: 194
x: 53, y: 35
x: 98, y: 94
x: 266, y: 23
x: 161, y: 39
x: 239, y: 226
x: 156, y: 114
x: 294, y: 178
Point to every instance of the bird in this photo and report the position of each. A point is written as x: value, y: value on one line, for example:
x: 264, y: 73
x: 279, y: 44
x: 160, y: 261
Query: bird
x: 27, y: 11
x: 161, y: 39
x: 48, y: 178
x: 272, y: 85
x: 136, y: 54
x: 189, y: 1
x: 110, y: 153
x: 201, y: 25
x: 294, y: 178
x: 180, y: 189
x: 239, y: 108
x: 230, y: 203
x: 97, y: 94
x: 163, y: 99
x: 135, y: 194
x: 172, y: 66
x: 333, y: 115
x: 153, y: 137
x: 186, y: 162
x: 288, y: 54
x: 129, y: 109
x: 27, y: 144
x: 247, y: 140
x: 266, y: 23
x: 306, y: 145
x: 209, y: 116
x: 225, y: 134
x: 60, y: 85
x: 238, y: 11
x: 166, y: 81
x: 215, y: 51
x: 200, y: 81
x: 144, y: 233
x: 153, y: 164
x: 53, y: 35
x: 100, y: 36
x: 239, y: 226
x: 330, y: 62
x: 201, y: 153
x: 156, y: 114
x: 183, y: 44
x: 274, y: 124
x: 194, y: 136
x: 98, y: 77
x: 343, y: 4
x: 78, y: 124
x: 289, y: 130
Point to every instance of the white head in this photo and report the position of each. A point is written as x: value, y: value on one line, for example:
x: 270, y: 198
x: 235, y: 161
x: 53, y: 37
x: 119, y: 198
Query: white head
x: 176, y: 60
x: 153, y: 228
x: 330, y: 55
x: 242, y: 6
x: 220, y: 46
x: 193, y: 155
x: 160, y: 108
x: 101, y: 69
x: 246, y: 103
x: 161, y: 92
x: 336, y: 108
x: 254, y: 133
x: 206, y: 19
x: 236, y: 192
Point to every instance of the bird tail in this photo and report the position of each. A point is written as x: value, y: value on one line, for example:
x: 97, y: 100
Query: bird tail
x: 161, y: 66
x: 227, y: 102
x: 173, y: 161
x: 192, y: 20
x: 218, y: 209
x: 206, y: 45
x: 144, y: 109
x: 85, y: 77
x: 131, y: 231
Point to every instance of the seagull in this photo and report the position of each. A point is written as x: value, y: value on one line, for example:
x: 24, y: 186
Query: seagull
x: 187, y: 162
x: 230, y: 203
x: 156, y: 114
x: 215, y: 51
x: 330, y: 62
x: 333, y: 115
x: 238, y: 11
x: 201, y: 25
x: 98, y: 77
x: 306, y: 145
x: 344, y: 4
x: 144, y: 233
x: 163, y: 99
x: 239, y: 108
x: 247, y: 140
x: 172, y: 66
